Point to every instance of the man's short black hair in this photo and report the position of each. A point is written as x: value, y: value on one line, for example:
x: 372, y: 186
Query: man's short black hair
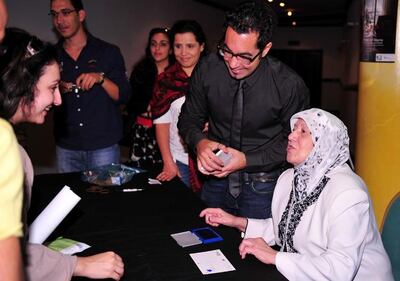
x: 252, y: 17
x: 77, y: 4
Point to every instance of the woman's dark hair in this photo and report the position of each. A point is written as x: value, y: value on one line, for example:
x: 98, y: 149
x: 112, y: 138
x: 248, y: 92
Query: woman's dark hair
x: 253, y: 17
x: 153, y: 32
x: 183, y: 26
x: 23, y: 60
x: 143, y: 76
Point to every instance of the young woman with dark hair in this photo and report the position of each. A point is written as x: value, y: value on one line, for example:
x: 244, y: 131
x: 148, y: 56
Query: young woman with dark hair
x: 189, y: 45
x: 29, y: 87
x: 143, y: 147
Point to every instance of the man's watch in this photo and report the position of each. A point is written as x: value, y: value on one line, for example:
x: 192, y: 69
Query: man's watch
x: 102, y: 77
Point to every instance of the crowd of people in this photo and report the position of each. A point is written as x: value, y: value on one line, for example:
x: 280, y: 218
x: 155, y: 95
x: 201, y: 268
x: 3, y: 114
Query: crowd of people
x: 285, y: 182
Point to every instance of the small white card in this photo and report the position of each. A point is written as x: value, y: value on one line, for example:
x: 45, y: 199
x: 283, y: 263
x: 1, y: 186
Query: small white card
x: 211, y: 262
x: 154, y: 181
x: 186, y: 239
x: 77, y: 248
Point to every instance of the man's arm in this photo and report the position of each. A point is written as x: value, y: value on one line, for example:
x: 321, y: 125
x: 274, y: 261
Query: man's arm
x: 193, y: 117
x: 114, y: 81
x: 194, y: 112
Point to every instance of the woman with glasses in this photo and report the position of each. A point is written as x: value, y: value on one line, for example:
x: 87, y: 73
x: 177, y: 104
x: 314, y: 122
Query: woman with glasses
x: 29, y: 88
x: 189, y: 45
x: 143, y: 147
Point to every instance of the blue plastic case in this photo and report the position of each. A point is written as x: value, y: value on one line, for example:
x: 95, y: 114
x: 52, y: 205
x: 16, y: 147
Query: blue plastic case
x: 207, y: 235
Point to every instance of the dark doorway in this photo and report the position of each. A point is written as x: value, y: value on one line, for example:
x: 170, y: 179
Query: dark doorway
x: 308, y: 64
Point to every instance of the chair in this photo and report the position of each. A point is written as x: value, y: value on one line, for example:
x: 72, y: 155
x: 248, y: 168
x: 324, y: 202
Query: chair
x: 391, y: 234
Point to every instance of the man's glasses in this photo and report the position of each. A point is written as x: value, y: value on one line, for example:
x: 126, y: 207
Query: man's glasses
x: 243, y: 59
x: 63, y: 12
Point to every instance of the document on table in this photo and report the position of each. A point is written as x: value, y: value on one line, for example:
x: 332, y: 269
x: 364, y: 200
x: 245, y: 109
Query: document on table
x: 186, y: 239
x: 52, y: 215
x: 67, y: 246
x: 211, y: 262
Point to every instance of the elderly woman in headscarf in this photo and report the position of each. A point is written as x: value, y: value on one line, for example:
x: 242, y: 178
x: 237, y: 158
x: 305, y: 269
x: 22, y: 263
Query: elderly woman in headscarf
x: 322, y: 216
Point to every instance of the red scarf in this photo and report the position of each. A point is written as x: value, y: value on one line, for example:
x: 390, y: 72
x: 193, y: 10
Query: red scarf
x: 172, y: 84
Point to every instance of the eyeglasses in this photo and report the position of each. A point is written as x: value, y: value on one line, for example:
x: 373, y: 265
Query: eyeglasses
x: 243, y: 59
x: 63, y: 12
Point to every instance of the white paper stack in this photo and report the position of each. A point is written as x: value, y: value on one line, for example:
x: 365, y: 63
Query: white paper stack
x: 52, y: 215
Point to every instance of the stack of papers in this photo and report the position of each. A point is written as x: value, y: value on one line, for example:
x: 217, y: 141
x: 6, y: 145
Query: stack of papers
x: 67, y: 246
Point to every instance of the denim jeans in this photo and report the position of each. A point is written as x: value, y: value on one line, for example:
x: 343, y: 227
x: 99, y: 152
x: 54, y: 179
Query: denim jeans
x: 254, y: 200
x: 184, y: 171
x: 81, y: 160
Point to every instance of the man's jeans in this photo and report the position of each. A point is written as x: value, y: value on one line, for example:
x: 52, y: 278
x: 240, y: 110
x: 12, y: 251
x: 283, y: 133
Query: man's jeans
x: 81, y: 160
x: 184, y: 171
x: 254, y: 200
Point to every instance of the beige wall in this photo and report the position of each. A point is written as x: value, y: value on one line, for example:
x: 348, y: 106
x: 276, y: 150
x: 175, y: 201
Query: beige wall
x: 125, y: 23
x: 340, y: 46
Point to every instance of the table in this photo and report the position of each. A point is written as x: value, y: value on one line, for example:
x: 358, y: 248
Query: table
x: 137, y: 226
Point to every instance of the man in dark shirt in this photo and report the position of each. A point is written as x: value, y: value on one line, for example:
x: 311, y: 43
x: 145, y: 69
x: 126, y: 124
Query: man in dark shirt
x: 88, y: 124
x: 247, y: 98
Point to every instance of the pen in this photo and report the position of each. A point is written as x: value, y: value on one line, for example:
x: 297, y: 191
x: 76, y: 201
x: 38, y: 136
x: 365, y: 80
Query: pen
x: 132, y: 189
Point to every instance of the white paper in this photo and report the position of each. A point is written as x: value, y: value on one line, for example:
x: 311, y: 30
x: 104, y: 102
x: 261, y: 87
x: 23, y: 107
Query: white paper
x: 211, y: 262
x: 76, y: 248
x: 154, y: 181
x: 186, y: 238
x: 52, y: 215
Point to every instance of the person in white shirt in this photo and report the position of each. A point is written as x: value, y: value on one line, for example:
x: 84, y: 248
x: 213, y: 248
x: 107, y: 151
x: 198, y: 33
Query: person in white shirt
x: 322, y: 216
x: 189, y: 46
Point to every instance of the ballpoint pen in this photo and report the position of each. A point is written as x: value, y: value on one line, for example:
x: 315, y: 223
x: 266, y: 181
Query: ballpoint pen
x: 132, y: 189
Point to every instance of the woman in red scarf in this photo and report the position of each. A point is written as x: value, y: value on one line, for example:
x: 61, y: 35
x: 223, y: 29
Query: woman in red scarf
x: 143, y: 149
x: 189, y: 44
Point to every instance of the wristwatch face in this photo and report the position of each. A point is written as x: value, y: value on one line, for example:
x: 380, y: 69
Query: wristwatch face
x: 102, y: 74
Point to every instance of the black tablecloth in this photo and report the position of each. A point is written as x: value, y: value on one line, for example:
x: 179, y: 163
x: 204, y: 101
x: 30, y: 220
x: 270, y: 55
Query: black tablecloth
x: 137, y: 226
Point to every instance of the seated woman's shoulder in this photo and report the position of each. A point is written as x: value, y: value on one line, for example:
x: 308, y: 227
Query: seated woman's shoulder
x: 345, y: 180
x: 286, y: 175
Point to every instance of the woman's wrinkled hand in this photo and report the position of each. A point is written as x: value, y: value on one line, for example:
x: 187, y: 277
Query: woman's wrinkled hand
x: 258, y: 248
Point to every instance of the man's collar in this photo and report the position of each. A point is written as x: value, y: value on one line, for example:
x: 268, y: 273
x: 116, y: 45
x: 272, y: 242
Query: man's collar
x: 89, y: 40
x: 252, y: 79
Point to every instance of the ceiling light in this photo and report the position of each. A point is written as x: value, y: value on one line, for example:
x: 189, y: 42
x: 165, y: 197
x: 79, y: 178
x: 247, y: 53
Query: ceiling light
x: 289, y: 13
x: 282, y: 4
x: 270, y: 1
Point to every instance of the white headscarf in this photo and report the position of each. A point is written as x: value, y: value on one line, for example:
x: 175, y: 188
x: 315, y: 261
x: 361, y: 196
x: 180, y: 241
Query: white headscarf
x: 331, y: 150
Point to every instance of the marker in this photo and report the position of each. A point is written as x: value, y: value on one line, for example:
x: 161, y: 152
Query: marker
x: 132, y: 189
